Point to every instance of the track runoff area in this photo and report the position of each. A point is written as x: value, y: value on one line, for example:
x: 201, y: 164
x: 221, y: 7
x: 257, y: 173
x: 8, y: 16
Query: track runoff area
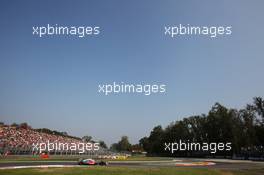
x: 225, y: 164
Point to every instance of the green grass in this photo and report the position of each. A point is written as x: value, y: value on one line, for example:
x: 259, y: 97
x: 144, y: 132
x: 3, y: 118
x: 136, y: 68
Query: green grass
x: 111, y: 171
x: 249, y: 172
x: 127, y: 171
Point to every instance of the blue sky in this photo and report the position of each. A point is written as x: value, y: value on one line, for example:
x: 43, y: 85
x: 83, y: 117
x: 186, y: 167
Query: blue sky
x: 52, y: 82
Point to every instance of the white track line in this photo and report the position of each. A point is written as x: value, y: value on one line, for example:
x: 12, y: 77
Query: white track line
x: 38, y: 166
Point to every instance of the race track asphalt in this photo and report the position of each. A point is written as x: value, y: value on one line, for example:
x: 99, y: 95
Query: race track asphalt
x: 235, y: 165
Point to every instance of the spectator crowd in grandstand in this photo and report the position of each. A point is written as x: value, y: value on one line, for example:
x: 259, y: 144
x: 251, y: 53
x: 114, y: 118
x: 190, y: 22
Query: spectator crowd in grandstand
x: 20, y: 138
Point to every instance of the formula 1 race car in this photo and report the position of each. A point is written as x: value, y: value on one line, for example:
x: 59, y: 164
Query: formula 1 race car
x: 91, y: 162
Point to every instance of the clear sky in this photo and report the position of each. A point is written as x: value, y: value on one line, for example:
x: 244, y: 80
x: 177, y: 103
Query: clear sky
x: 53, y: 82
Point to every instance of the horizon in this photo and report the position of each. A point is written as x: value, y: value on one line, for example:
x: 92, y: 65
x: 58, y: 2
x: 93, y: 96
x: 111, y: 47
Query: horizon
x: 109, y: 144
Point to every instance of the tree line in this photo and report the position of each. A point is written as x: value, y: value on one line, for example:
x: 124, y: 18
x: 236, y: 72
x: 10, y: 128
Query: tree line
x: 244, y: 128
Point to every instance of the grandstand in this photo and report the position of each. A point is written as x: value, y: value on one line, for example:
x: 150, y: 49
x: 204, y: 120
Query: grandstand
x: 18, y: 140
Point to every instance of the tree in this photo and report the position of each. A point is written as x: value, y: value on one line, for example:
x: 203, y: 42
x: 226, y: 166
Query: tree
x: 87, y: 138
x: 155, y: 140
x: 248, y: 117
x: 259, y: 107
x: 64, y: 133
x: 144, y: 143
x: 123, y: 144
x: 102, y: 144
x: 14, y: 125
x: 244, y: 129
x: 24, y: 125
x: 114, y: 147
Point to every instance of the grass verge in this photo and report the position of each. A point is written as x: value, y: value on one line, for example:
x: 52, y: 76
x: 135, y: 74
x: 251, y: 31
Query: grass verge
x: 127, y: 171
